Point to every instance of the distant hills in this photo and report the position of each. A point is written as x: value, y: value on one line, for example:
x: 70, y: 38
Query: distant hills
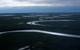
x: 38, y: 9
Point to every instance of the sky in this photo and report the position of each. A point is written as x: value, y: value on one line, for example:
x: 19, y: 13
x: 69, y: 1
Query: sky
x: 7, y: 6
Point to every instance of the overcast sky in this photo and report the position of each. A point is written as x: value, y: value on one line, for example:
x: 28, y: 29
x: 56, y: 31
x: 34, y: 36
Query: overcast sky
x: 68, y: 5
x: 16, y: 3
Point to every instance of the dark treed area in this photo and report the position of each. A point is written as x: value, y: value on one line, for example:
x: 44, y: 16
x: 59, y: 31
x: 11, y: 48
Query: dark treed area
x: 65, y: 23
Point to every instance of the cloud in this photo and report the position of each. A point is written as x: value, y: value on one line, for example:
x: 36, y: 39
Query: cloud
x: 14, y: 3
x: 54, y: 3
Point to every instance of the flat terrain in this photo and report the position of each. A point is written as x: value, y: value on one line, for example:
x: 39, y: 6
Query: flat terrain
x: 66, y: 23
